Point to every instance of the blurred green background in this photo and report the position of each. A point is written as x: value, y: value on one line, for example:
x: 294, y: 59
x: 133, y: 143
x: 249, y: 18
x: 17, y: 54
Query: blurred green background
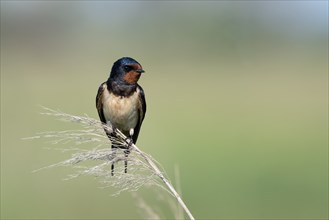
x: 236, y: 93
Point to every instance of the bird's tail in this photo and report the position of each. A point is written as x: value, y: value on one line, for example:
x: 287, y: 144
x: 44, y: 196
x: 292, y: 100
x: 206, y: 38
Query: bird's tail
x: 113, y: 155
x: 126, y: 152
x: 126, y: 161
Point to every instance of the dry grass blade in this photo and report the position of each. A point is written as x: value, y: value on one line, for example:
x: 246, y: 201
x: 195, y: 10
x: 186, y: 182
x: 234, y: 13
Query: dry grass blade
x: 143, y: 169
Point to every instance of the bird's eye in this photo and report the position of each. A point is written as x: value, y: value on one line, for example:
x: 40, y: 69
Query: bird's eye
x: 127, y: 68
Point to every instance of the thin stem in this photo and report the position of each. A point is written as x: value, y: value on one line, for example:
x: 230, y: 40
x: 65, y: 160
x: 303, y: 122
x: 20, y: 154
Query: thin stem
x: 97, y: 125
x: 159, y: 173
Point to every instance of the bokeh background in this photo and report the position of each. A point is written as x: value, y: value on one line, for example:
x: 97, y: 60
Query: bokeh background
x: 237, y: 95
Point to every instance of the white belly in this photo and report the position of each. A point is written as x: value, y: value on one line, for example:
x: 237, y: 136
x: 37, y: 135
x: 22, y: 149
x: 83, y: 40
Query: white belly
x: 121, y: 112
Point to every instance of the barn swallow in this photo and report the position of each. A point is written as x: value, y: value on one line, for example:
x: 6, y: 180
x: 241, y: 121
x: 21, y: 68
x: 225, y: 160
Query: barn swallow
x: 120, y: 101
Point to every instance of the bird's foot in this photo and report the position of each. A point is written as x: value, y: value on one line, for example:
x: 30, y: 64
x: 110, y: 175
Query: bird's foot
x: 129, y: 141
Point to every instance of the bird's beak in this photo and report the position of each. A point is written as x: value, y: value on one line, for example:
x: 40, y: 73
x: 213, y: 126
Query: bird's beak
x: 140, y: 71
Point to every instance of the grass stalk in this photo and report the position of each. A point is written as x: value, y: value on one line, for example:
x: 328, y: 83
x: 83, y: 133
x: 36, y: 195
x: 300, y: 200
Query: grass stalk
x: 143, y: 169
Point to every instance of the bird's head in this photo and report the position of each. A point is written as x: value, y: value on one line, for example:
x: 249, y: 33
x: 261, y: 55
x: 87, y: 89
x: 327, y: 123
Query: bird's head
x: 126, y: 70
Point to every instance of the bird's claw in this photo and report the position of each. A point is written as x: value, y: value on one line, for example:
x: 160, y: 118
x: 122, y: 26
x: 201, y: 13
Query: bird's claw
x: 129, y: 142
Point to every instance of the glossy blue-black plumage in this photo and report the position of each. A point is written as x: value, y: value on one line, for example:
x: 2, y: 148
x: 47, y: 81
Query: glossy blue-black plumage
x: 118, y: 69
x: 117, y: 85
